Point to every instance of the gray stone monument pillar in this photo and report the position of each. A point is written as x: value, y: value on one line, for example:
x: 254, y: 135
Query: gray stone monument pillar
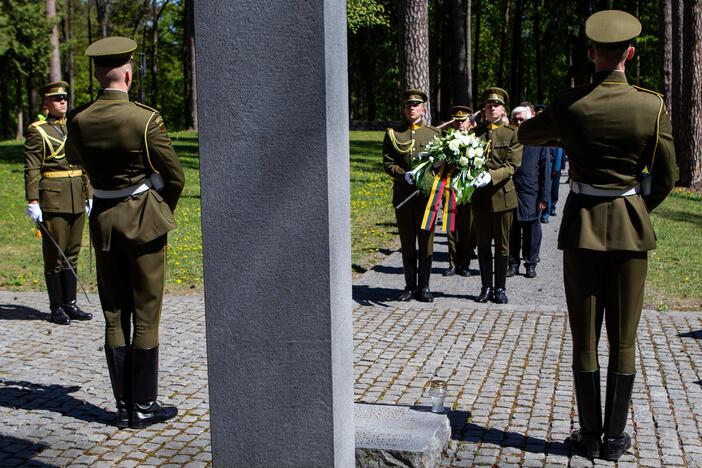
x: 274, y: 158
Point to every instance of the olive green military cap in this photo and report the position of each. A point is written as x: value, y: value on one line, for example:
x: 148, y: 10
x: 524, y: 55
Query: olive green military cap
x: 55, y: 88
x: 495, y: 94
x: 416, y: 96
x: 460, y: 113
x: 612, y: 28
x: 111, y: 51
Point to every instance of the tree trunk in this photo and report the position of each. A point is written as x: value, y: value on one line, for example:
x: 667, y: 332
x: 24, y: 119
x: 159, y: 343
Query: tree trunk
x: 68, y: 72
x: 189, y: 67
x: 444, y: 26
x: 476, y: 54
x: 516, y: 68
x: 677, y: 103
x: 20, y: 108
x: 469, y: 61
x: 503, y: 43
x: 666, y: 27
x: 580, y: 72
x: 4, y: 106
x: 538, y: 44
x: 101, y: 7
x: 32, y: 106
x: 458, y: 33
x: 54, y: 57
x: 690, y: 145
x: 154, y: 54
x: 414, y: 46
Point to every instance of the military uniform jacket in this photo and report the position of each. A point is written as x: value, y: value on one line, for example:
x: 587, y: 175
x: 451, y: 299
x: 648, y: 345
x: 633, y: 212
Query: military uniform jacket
x: 611, y: 132
x: 503, y: 160
x: 44, y: 157
x: 120, y: 144
x: 533, y: 181
x: 396, y: 162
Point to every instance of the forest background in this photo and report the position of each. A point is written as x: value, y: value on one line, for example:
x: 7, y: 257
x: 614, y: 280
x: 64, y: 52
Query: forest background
x: 453, y: 48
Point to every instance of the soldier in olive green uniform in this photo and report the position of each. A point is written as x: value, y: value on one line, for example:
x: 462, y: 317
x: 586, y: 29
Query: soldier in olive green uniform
x: 137, y: 180
x: 399, y: 147
x: 461, y: 241
x: 57, y: 193
x: 495, y: 198
x: 619, y: 142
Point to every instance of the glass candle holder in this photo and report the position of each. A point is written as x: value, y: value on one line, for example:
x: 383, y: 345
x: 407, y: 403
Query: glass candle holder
x: 437, y: 392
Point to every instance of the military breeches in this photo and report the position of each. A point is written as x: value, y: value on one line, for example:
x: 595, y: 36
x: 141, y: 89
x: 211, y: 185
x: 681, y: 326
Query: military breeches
x: 67, y: 231
x: 130, y: 282
x: 491, y: 226
x: 609, y: 286
x: 461, y: 241
x: 409, y: 221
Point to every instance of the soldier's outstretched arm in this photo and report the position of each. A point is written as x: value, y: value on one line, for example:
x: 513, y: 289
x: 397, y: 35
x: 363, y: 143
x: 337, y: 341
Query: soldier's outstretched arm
x: 540, y: 130
x: 663, y: 171
x: 164, y: 160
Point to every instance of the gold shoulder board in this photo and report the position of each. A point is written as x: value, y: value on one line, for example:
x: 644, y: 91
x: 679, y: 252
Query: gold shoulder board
x: 144, y: 106
x: 639, y: 88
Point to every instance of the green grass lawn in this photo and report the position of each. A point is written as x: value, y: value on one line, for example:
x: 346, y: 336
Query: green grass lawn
x: 675, y: 269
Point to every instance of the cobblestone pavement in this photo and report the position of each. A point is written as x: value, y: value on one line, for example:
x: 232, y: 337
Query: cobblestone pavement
x: 508, y: 370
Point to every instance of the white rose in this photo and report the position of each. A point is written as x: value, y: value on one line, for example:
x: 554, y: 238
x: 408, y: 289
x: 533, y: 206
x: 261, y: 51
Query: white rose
x: 431, y: 158
x: 479, y: 151
x: 463, y: 161
x: 479, y: 161
x: 454, y: 145
x: 471, y: 153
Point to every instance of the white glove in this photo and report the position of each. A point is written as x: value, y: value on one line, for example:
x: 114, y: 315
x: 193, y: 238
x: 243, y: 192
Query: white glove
x: 34, y: 212
x: 157, y: 181
x: 408, y: 178
x: 482, y: 180
x: 88, y: 206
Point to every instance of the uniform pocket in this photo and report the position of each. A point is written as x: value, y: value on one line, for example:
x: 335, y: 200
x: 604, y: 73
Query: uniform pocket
x: 49, y: 193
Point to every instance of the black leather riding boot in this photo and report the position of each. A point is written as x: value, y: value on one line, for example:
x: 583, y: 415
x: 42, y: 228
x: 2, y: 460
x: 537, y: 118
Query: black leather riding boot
x: 118, y: 364
x: 145, y: 409
x: 485, y: 263
x: 409, y: 265
x: 53, y: 288
x: 615, y: 441
x: 69, y: 284
x: 586, y: 440
x: 501, y: 265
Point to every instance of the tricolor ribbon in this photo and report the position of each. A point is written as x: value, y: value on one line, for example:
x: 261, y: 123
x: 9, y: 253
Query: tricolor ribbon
x: 434, y: 204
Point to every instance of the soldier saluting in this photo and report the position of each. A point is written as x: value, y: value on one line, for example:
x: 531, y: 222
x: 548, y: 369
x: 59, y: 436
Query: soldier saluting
x: 399, y: 147
x: 57, y: 193
x: 137, y: 180
x: 619, y: 141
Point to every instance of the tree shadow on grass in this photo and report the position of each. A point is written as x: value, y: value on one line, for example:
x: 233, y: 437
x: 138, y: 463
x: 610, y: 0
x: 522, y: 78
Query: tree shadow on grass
x: 19, y: 312
x: 18, y: 394
x: 20, y: 451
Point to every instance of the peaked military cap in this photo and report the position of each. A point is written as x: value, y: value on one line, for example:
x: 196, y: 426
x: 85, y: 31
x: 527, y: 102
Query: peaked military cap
x: 495, y: 94
x: 460, y: 113
x: 55, y: 88
x: 111, y: 51
x: 612, y: 28
x: 416, y: 96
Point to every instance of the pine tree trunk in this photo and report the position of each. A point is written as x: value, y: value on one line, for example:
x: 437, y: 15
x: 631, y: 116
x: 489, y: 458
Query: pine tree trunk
x: 189, y: 67
x: 54, y: 57
x: 677, y: 107
x: 538, y: 40
x: 19, y: 102
x: 414, y: 46
x: 4, y: 105
x: 666, y: 34
x: 68, y: 71
x: 516, y: 68
x: 476, y: 55
x: 690, y: 145
x: 469, y: 57
x: 503, y: 43
x: 154, y: 54
x: 458, y: 33
x: 102, y: 16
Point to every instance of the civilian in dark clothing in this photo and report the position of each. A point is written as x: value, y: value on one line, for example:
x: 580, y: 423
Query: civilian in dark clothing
x: 558, y: 161
x: 533, y: 184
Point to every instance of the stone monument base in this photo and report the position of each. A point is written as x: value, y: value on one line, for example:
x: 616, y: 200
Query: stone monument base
x: 399, y: 436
